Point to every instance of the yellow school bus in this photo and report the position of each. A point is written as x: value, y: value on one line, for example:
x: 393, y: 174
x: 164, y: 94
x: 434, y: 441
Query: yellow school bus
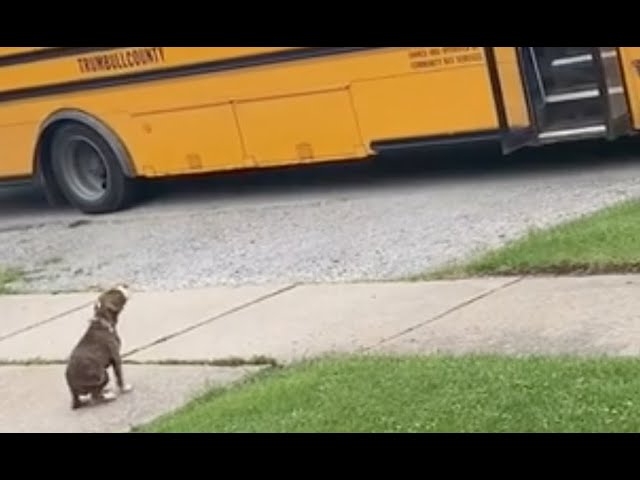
x: 86, y: 122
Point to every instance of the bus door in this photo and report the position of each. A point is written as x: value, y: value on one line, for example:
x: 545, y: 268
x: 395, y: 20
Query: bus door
x: 573, y: 93
x: 612, y: 88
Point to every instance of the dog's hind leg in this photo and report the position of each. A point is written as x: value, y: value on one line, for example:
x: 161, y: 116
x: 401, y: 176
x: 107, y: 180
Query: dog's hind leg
x: 105, y: 380
x: 99, y: 393
x: 75, y: 401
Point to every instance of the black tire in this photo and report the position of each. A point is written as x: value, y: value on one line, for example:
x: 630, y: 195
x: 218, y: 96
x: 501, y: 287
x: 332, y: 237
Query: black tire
x: 88, y: 170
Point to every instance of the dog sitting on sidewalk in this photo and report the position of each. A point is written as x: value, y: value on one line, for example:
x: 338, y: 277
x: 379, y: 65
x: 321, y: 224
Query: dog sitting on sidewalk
x: 98, y: 349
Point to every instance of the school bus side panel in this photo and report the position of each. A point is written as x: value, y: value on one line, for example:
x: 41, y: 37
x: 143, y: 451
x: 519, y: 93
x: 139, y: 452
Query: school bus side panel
x: 17, y: 144
x: 314, y: 126
x: 630, y: 60
x: 447, y: 93
x: 201, y: 138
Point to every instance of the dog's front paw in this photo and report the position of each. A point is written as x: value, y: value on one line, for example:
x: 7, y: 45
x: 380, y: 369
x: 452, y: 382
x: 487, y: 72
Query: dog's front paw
x: 126, y: 388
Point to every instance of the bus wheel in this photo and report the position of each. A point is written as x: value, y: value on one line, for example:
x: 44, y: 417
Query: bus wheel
x: 88, y: 170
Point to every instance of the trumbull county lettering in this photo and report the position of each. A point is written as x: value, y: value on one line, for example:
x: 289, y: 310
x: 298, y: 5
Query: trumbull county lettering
x: 137, y: 57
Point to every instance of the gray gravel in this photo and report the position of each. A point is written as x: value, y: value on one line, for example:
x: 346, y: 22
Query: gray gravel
x: 320, y: 225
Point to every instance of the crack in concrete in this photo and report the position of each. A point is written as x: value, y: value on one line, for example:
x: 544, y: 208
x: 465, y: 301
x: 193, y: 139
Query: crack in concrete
x: 442, y: 315
x: 210, y: 320
x: 44, y: 322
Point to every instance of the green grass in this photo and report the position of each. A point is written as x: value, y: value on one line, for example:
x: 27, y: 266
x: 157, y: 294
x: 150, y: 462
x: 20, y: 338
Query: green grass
x: 429, y: 394
x: 8, y: 276
x: 602, y: 243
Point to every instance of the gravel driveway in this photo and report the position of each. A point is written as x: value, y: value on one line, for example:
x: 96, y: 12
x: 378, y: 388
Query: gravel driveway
x: 338, y: 223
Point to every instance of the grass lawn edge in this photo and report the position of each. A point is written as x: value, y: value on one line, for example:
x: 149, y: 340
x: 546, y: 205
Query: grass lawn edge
x: 8, y: 276
x: 602, y: 395
x: 535, y: 253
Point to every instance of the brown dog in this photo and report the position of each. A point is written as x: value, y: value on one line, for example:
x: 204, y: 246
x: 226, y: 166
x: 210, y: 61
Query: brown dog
x: 97, y: 350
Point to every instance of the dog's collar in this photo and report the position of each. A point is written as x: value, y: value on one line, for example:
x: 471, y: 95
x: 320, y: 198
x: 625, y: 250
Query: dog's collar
x: 104, y: 323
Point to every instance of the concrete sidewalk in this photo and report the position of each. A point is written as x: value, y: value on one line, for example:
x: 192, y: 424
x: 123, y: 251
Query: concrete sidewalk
x: 588, y: 315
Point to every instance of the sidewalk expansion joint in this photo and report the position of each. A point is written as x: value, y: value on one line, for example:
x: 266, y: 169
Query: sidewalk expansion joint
x: 228, y: 362
x: 210, y: 320
x: 444, y: 314
x: 44, y: 322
